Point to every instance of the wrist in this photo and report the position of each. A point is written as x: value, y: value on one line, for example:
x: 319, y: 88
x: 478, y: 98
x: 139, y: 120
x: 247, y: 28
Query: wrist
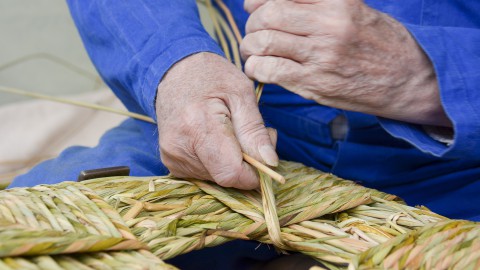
x: 416, y: 98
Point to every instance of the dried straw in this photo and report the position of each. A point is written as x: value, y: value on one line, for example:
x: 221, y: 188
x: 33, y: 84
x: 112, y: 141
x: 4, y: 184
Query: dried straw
x: 333, y: 220
x: 445, y: 245
x: 131, y: 260
x: 319, y: 214
x: 21, y: 92
x: 59, y: 220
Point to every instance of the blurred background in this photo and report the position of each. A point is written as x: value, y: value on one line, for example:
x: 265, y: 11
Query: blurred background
x: 41, y: 52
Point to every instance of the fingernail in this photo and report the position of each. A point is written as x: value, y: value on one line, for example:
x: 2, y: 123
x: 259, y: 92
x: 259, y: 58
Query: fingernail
x: 268, y: 154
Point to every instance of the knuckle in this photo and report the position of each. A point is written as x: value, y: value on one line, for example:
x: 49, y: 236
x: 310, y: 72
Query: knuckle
x: 270, y: 14
x: 271, y: 76
x: 250, y: 66
x: 191, y: 119
x: 268, y: 40
x: 345, y: 30
x: 330, y: 59
x: 312, y: 49
x: 246, y: 46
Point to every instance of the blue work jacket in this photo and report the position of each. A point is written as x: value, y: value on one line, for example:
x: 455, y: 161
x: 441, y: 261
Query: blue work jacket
x: 134, y: 43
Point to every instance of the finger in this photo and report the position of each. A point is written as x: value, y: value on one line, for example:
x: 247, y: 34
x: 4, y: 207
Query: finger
x: 283, y: 16
x: 185, y: 167
x: 273, y: 136
x: 250, y: 129
x: 276, y: 43
x: 251, y: 5
x: 275, y: 70
x: 221, y: 154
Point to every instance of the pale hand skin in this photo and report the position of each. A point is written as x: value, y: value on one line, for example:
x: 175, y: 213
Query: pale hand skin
x: 343, y: 54
x: 207, y: 115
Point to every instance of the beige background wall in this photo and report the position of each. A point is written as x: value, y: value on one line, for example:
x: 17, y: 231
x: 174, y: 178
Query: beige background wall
x: 41, y: 51
x: 35, y: 33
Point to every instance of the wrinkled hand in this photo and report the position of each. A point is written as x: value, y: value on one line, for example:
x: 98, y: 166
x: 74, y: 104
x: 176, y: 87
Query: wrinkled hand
x: 343, y: 54
x: 207, y: 115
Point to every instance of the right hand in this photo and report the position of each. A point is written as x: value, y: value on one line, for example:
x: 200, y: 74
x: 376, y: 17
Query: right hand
x: 207, y: 115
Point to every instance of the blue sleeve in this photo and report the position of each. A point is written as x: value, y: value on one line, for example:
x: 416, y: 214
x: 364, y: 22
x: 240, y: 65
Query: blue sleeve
x: 134, y: 43
x: 455, y: 54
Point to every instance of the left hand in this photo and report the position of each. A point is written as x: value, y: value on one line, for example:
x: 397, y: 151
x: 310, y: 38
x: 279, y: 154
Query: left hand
x: 343, y: 54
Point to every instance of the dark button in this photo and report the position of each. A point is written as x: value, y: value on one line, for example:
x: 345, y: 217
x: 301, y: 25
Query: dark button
x: 104, y: 172
x: 339, y: 127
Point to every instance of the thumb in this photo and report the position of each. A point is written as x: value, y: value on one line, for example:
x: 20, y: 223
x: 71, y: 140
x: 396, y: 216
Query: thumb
x: 254, y: 138
x: 273, y: 136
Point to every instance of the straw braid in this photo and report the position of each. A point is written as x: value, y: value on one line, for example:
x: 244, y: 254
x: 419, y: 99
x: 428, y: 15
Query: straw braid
x: 131, y: 260
x: 60, y: 219
x: 333, y: 220
x: 319, y: 214
x: 445, y: 245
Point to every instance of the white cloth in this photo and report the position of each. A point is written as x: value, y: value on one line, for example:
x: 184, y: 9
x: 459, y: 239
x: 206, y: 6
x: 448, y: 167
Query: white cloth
x: 37, y: 130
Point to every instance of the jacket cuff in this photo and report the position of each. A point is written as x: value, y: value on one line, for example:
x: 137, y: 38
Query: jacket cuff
x: 457, y: 78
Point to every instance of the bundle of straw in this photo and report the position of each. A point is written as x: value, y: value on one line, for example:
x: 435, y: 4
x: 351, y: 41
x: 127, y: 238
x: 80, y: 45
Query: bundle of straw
x: 333, y: 220
x: 445, y: 245
x: 65, y: 219
x: 321, y: 215
x: 58, y: 220
x: 131, y: 260
x: 341, y: 224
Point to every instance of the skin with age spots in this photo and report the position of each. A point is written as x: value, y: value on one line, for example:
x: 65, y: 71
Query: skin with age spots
x: 207, y: 115
x: 342, y: 54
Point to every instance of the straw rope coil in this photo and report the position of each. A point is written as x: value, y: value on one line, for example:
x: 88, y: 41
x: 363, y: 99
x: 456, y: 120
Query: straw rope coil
x: 131, y: 260
x: 450, y: 244
x: 341, y: 224
x: 108, y: 222
x: 321, y: 215
x: 60, y: 219
x: 37, y: 223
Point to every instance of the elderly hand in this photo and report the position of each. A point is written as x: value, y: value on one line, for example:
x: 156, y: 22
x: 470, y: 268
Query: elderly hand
x: 207, y: 115
x: 343, y: 54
